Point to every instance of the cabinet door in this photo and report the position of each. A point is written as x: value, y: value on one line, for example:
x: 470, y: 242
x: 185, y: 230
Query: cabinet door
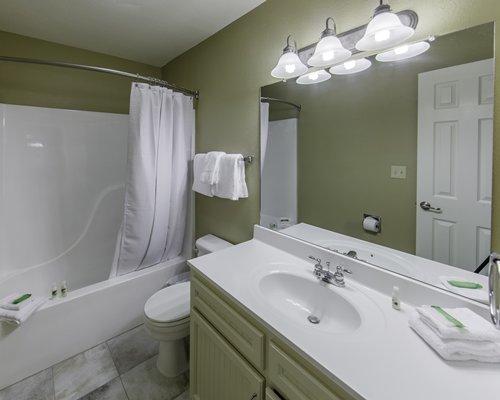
x: 218, y: 372
x: 293, y: 381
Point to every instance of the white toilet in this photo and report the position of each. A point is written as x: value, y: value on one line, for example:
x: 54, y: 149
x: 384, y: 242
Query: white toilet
x: 166, y: 316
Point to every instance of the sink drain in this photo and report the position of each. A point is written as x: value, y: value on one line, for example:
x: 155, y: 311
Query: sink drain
x: 313, y: 319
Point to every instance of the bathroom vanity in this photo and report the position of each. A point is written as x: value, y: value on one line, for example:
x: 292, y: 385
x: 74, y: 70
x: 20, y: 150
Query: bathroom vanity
x: 251, y: 337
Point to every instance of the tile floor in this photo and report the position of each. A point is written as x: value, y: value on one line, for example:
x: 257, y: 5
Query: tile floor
x: 123, y: 368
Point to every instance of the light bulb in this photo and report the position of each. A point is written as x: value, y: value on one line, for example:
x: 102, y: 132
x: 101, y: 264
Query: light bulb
x: 290, y: 68
x: 401, y: 49
x: 350, y: 64
x: 313, y: 76
x: 328, y: 55
x: 382, y: 35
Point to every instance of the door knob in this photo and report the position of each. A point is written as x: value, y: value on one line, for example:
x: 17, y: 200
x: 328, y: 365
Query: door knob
x: 426, y: 206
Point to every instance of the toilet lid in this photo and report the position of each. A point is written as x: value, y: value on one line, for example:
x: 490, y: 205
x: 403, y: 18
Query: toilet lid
x: 169, y: 304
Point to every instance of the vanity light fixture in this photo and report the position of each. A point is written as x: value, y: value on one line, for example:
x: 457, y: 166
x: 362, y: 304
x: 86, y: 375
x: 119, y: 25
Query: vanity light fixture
x: 351, y: 67
x: 329, y: 49
x: 314, y: 77
x: 289, y: 64
x: 384, y: 30
x: 403, y: 52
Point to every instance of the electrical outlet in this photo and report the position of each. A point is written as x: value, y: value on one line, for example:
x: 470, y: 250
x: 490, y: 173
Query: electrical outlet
x: 398, y: 171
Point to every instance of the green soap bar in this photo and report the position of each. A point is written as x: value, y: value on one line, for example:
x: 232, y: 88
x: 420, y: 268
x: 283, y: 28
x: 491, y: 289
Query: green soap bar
x: 466, y: 285
x: 22, y: 298
x: 450, y: 318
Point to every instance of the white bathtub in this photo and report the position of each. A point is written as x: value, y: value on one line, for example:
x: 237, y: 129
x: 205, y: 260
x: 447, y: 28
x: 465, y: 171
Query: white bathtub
x: 86, y: 317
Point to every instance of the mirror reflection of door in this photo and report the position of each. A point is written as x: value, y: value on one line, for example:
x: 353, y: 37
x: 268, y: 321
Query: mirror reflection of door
x: 455, y: 139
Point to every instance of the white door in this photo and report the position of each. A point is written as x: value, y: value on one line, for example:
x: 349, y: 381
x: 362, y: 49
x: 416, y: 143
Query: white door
x: 454, y: 172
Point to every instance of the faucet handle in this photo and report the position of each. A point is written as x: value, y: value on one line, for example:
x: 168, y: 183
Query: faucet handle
x: 344, y: 270
x: 318, y: 260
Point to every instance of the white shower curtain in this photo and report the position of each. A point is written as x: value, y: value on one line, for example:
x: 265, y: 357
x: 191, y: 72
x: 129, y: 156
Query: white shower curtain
x: 156, y: 198
x: 264, y: 132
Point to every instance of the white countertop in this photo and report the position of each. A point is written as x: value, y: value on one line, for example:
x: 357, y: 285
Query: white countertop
x: 388, y: 361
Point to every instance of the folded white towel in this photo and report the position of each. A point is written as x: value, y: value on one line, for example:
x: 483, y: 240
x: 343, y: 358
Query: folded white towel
x: 232, y: 184
x: 210, y: 173
x: 198, y: 168
x: 18, y: 317
x: 476, y: 327
x: 6, y: 302
x: 455, y: 349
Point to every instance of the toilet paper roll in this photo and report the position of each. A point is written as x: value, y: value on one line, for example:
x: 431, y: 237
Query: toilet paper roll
x: 371, y: 224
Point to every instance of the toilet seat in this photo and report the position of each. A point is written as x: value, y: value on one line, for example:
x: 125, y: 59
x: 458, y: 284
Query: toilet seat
x: 169, y: 306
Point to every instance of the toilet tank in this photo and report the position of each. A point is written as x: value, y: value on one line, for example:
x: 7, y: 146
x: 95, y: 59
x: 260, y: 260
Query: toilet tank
x: 209, y: 243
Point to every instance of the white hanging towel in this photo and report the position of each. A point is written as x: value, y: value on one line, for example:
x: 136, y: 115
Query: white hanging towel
x: 199, y: 163
x: 232, y: 184
x: 210, y: 173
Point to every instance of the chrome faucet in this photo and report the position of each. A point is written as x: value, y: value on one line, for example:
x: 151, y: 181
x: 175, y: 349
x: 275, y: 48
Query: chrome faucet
x: 325, y: 275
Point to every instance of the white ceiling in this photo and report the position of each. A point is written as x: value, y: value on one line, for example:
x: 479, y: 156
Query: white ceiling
x: 149, y: 31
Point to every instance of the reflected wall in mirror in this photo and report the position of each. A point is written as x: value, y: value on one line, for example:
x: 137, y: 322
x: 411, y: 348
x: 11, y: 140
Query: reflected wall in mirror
x: 353, y: 129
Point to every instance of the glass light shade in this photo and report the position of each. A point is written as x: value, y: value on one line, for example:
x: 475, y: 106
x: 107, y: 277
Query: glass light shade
x: 384, y: 30
x: 328, y: 51
x: 403, y: 52
x: 314, y: 77
x: 289, y: 66
x: 351, y: 67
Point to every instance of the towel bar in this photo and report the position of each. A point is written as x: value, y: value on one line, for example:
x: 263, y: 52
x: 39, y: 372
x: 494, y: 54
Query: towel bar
x: 248, y: 159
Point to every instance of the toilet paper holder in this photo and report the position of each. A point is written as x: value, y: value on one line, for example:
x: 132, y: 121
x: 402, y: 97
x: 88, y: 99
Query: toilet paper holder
x: 374, y: 223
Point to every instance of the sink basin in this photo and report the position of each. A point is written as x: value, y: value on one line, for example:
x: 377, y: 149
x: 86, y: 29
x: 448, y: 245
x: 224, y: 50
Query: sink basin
x: 305, y: 300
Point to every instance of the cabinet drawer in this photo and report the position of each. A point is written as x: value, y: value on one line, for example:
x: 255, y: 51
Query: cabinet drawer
x: 237, y: 330
x: 292, y: 380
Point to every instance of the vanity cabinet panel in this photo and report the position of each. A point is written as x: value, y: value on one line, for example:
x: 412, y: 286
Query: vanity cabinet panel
x: 292, y: 380
x: 271, y: 395
x: 218, y: 372
x: 237, y: 330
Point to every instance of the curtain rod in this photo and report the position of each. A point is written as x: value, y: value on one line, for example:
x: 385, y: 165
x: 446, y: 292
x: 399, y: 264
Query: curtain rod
x: 272, y: 99
x: 149, y: 79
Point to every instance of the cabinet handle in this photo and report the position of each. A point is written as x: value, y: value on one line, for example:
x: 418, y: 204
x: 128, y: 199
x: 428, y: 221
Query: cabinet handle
x: 254, y: 396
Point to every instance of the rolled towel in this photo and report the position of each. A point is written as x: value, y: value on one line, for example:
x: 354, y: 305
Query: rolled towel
x: 210, y: 173
x: 6, y: 302
x: 198, y: 168
x: 476, y: 327
x: 18, y: 317
x: 232, y: 184
x: 456, y: 349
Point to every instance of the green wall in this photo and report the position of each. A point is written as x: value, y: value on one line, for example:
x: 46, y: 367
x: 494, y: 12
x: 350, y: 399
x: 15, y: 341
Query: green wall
x: 353, y: 128
x: 45, y: 86
x: 230, y: 67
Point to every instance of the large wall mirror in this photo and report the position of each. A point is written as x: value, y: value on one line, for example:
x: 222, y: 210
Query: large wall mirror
x: 382, y: 141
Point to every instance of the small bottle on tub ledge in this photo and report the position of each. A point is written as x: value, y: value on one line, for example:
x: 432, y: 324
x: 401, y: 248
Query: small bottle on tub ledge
x: 53, y: 292
x: 64, y: 289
